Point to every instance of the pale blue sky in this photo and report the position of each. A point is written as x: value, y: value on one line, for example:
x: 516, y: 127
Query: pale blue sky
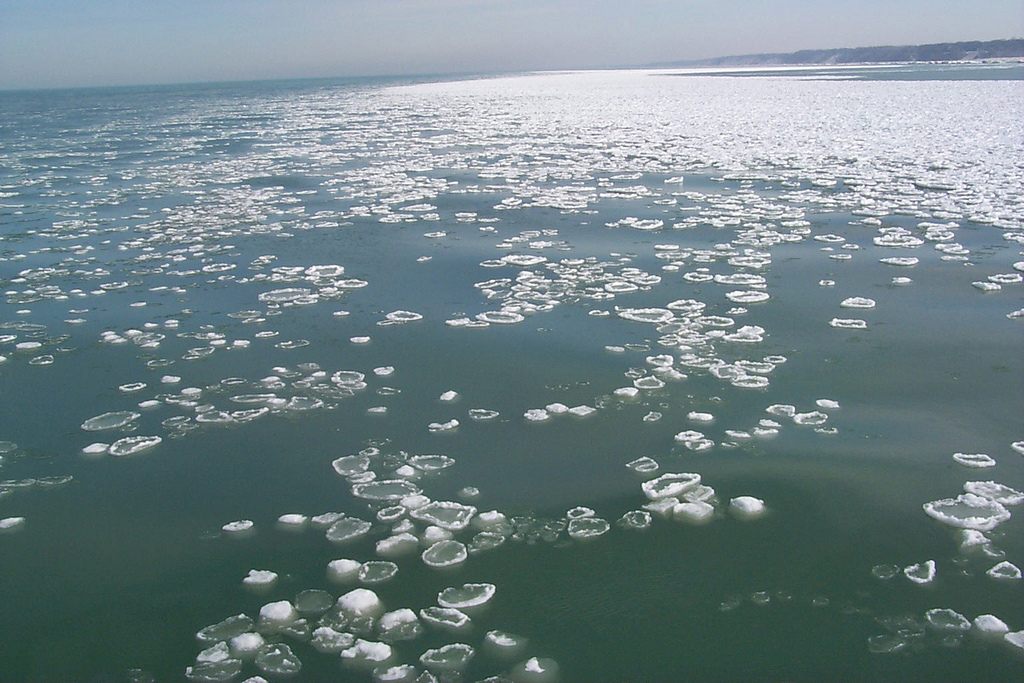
x: 46, y: 43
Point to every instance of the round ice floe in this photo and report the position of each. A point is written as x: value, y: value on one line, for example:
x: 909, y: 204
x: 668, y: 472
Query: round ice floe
x: 857, y: 302
x: 695, y: 416
x: 445, y: 618
x: 245, y: 645
x: 348, y: 529
x: 11, y: 524
x: 849, y: 323
x: 287, y: 295
x: 467, y: 597
x: 225, y: 630
x: 968, y: 511
x: 360, y: 602
x: 977, y: 460
x: 693, y: 513
x: 292, y: 521
x: 813, y: 418
x: 130, y: 445
x: 989, y: 625
x: 535, y: 670
x: 343, y: 571
x: 671, y: 484
x: 453, y: 657
x: 500, y: 317
x: 502, y: 645
x: 277, y: 614
x: 1005, y: 571
x: 827, y: 404
x: 214, y: 664
x: 747, y: 296
x: 397, y: 545
x: 536, y: 415
x: 445, y: 514
x: 971, y: 540
x: 403, y: 316
x: 431, y: 463
x: 241, y: 526
x: 921, y: 573
x: 946, y: 620
x: 587, y: 527
x: 114, y: 420
x: 260, y: 579
x: 646, y: 315
x: 432, y: 534
x: 327, y: 640
x: 446, y: 553
x: 643, y: 465
x: 313, y: 602
x: 449, y: 426
x: 400, y: 673
x: 377, y: 571
x: 385, y: 489
x: 401, y: 624
x: 1000, y: 493
x: 747, y: 507
x: 367, y: 654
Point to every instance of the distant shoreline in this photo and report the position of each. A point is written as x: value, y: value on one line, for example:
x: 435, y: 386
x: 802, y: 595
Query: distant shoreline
x: 964, y: 52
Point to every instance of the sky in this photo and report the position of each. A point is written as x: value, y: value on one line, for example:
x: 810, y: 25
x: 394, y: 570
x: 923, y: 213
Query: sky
x: 57, y: 43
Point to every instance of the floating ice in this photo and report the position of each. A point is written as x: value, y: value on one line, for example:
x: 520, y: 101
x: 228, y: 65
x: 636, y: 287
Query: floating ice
x: 343, y: 571
x: 445, y: 553
x: 326, y: 639
x: 225, y: 630
x: 241, y: 526
x: 989, y: 625
x: 587, y: 527
x: 921, y: 573
x: 453, y: 657
x: 348, y: 529
x: 400, y: 624
x: 503, y: 645
x: 998, y: 492
x: 946, y: 620
x: 694, y: 513
x: 467, y: 597
x: 849, y: 323
x: 360, y: 602
x: 313, y: 602
x: 643, y: 465
x: 535, y: 670
x: 445, y: 618
x: 376, y: 571
x: 445, y: 514
x: 275, y: 615
x: 670, y: 485
x: 977, y: 460
x: 260, y: 579
x: 968, y: 511
x: 857, y: 302
x: 245, y: 645
x: 385, y: 490
x: 277, y: 659
x: 130, y: 445
x: 114, y: 420
x: 11, y: 524
x: 1005, y: 571
x: 747, y: 507
x: 367, y: 654
x: 397, y: 545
